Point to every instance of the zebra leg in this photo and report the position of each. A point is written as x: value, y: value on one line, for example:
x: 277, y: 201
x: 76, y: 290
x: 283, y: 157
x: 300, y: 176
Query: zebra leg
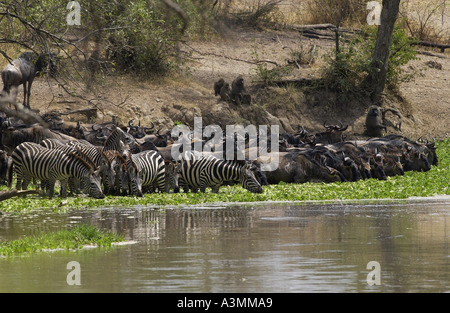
x: 51, y: 187
x: 25, y: 182
x: 44, y: 185
x: 63, y: 184
x: 19, y: 178
x: 74, y: 186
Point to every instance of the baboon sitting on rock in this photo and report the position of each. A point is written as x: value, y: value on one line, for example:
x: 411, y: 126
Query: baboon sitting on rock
x: 237, y: 94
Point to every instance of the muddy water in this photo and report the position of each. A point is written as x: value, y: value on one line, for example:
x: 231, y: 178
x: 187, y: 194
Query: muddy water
x: 272, y: 247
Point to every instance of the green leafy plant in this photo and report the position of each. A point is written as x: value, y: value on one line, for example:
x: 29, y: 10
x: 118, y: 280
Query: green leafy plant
x: 74, y: 238
x: 344, y: 71
x: 412, y: 184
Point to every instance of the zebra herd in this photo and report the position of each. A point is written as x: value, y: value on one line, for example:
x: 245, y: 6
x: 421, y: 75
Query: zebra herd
x: 112, y: 169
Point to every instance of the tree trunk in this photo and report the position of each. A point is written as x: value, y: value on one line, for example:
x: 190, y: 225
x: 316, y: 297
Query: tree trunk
x: 376, y: 81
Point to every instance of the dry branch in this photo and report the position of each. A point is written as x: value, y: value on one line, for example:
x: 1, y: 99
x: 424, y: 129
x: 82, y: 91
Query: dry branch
x: 4, y: 195
x: 230, y: 58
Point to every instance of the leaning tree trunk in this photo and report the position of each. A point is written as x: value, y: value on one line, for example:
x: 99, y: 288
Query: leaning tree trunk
x: 376, y: 81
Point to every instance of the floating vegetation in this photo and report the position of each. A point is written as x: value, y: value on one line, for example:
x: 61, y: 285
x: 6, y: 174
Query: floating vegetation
x: 75, y: 238
x: 412, y: 184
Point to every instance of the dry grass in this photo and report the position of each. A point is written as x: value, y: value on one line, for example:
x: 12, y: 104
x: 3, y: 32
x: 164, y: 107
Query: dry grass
x: 427, y: 20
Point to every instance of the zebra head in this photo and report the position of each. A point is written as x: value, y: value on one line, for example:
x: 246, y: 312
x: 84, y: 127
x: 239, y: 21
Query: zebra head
x: 248, y: 179
x: 134, y: 178
x: 107, y: 173
x: 95, y: 186
x: 89, y: 177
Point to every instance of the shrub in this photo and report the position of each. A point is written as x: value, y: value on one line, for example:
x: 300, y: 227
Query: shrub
x: 345, y: 71
x: 144, y: 44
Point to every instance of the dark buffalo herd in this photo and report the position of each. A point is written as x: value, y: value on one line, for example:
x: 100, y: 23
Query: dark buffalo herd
x: 325, y: 156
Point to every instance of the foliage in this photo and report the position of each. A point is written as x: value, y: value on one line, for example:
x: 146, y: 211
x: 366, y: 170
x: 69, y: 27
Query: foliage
x: 139, y: 37
x: 346, y: 70
x: 144, y: 44
x: 412, y: 184
x: 74, y: 238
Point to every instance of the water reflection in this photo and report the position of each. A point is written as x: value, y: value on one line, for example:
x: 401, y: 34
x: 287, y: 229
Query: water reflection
x: 245, y: 248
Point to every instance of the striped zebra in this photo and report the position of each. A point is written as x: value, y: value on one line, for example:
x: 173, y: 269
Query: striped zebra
x: 92, y: 154
x: 145, y: 170
x: 119, y: 141
x: 31, y: 160
x: 96, y: 154
x: 209, y: 171
x: 119, y: 165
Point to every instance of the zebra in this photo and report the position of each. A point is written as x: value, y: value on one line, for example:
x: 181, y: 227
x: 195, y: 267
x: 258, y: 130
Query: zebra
x: 145, y: 170
x: 209, y: 171
x: 31, y: 160
x: 91, y: 154
x: 101, y: 161
x: 119, y: 165
x: 119, y: 141
x: 171, y: 177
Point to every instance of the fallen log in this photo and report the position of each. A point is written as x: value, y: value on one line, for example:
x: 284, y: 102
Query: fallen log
x: 432, y: 54
x: 433, y: 45
x: 14, y: 193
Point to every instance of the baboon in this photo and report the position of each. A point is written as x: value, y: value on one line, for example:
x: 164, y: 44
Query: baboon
x: 225, y: 92
x: 238, y: 90
x: 374, y: 122
x: 218, y: 86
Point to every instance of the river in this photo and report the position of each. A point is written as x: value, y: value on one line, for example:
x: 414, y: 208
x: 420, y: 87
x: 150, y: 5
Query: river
x: 344, y: 246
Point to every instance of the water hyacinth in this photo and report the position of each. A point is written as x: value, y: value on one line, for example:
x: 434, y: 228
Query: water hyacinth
x: 74, y: 238
x: 412, y: 184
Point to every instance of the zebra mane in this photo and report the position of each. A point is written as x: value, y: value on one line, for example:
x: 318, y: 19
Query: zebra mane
x: 132, y: 162
x: 123, y: 160
x: 116, y: 154
x: 115, y: 130
x: 76, y: 156
x: 109, y: 137
x: 92, y: 164
x: 100, y: 150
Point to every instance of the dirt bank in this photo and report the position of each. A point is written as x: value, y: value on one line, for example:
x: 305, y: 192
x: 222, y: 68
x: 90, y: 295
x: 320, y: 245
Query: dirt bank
x: 425, y: 104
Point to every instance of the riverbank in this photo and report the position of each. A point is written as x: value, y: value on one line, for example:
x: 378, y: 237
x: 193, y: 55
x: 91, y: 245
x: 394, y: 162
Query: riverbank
x: 412, y: 184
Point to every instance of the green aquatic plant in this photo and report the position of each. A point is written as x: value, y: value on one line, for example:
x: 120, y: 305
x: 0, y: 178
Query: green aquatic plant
x: 412, y: 184
x: 74, y: 238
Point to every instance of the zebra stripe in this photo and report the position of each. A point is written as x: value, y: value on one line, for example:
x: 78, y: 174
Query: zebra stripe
x: 119, y: 165
x: 146, y: 169
x: 208, y: 171
x: 119, y: 140
x: 94, y: 155
x: 31, y: 160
